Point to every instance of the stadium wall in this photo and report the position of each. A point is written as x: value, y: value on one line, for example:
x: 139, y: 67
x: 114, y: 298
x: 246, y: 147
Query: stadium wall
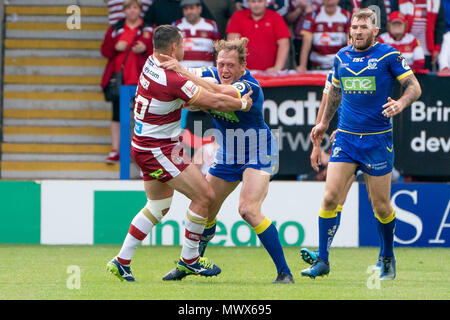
x: 99, y: 212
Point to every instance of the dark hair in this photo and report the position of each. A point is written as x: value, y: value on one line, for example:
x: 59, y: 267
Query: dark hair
x: 164, y: 35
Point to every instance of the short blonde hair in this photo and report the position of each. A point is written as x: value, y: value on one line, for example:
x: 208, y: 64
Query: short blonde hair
x: 128, y: 3
x: 364, y: 14
x: 240, y: 45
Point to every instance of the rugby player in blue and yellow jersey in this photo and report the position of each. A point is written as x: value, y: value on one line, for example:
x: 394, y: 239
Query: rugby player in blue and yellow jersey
x: 248, y: 152
x: 363, y: 79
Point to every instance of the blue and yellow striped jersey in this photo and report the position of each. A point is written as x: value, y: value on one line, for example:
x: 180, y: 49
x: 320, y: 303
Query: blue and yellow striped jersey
x: 367, y: 79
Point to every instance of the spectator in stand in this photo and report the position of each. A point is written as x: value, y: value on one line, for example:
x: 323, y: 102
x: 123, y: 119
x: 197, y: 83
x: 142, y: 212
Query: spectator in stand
x: 324, y: 34
x: 222, y: 11
x: 444, y: 56
x: 297, y: 11
x: 199, y: 35
x: 115, y: 10
x: 268, y: 34
x: 426, y: 21
x: 280, y: 6
x: 404, y: 42
x: 354, y: 5
x: 127, y: 45
x: 168, y: 11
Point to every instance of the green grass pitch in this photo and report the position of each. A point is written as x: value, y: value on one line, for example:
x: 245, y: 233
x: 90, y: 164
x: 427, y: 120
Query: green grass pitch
x: 29, y: 272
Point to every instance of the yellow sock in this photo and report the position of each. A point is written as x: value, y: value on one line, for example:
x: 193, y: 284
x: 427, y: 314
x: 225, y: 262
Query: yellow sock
x: 327, y: 214
x: 387, y: 219
x: 260, y: 228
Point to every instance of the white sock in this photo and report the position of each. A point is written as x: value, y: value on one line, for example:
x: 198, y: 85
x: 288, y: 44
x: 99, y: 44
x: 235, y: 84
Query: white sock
x: 139, y: 229
x: 194, y: 226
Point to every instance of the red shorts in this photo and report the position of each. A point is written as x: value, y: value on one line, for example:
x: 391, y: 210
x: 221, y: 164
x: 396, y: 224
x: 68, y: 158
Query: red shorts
x: 162, y: 164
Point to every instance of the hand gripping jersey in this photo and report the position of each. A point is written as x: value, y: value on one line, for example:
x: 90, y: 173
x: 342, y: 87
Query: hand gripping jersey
x: 244, y: 137
x: 366, y: 80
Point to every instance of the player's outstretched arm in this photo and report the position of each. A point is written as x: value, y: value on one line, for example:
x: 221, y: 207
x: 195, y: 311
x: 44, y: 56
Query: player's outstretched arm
x: 206, y: 99
x: 174, y: 65
x: 411, y: 92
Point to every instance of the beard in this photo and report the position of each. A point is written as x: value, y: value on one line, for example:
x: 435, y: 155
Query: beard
x: 366, y: 44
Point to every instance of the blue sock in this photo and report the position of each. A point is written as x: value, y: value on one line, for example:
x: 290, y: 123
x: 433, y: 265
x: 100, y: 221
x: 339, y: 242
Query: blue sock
x: 380, y: 237
x: 207, y: 235
x: 209, y: 231
x: 328, y: 224
x: 386, y: 229
x: 338, y: 216
x: 268, y: 234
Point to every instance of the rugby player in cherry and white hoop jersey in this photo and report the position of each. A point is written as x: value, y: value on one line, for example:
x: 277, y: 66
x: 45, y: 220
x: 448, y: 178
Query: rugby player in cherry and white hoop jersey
x: 156, y: 150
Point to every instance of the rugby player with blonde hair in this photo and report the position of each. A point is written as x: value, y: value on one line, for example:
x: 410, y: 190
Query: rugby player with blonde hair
x: 248, y: 151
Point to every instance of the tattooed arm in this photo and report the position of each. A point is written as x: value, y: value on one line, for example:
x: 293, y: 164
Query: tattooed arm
x: 411, y: 92
x: 333, y: 102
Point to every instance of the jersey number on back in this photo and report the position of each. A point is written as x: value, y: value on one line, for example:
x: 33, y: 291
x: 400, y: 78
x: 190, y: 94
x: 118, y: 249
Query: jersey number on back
x: 140, y: 107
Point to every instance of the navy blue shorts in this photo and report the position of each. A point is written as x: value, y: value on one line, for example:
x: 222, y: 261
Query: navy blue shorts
x: 233, y: 172
x: 230, y: 167
x: 374, y: 153
x: 267, y: 162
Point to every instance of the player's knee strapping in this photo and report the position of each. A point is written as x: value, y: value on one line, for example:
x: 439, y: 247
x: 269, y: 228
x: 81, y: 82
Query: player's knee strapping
x: 149, y: 217
x: 155, y: 210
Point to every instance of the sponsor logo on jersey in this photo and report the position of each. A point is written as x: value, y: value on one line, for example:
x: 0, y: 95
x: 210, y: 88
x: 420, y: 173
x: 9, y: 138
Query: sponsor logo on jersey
x: 156, y: 174
x: 372, y: 63
x: 405, y: 65
x: 336, y: 152
x: 240, y: 86
x: 190, y: 89
x: 138, y: 127
x: 377, y: 166
x: 359, y: 85
x: 227, y: 116
x: 144, y: 82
